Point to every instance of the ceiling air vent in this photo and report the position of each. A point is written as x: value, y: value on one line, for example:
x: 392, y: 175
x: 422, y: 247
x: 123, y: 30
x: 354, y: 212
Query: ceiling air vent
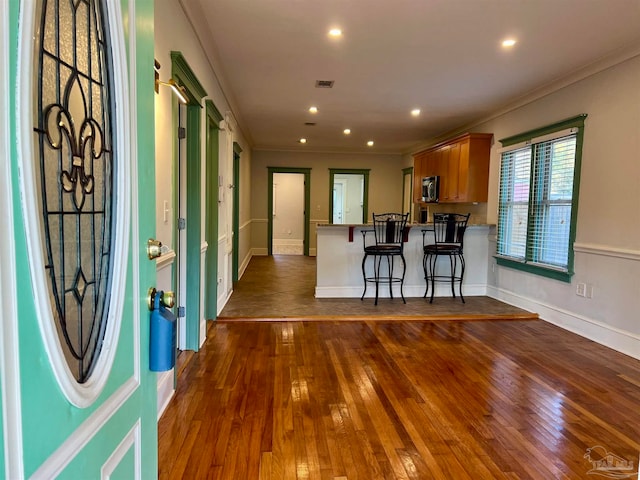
x: 310, y: 124
x: 324, y: 83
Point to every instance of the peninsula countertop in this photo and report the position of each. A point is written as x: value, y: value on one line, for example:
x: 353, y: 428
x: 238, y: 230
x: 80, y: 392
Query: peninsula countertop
x: 340, y: 252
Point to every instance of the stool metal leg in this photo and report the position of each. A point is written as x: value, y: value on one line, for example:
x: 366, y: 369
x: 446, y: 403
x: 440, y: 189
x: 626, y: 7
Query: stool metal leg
x: 376, y: 273
x: 432, y: 275
x: 364, y: 276
x: 404, y: 271
x: 461, y: 275
x: 425, y: 260
x: 453, y: 264
x: 390, y: 269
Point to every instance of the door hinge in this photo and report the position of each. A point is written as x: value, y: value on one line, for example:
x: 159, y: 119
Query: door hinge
x: 182, y: 223
x: 181, y: 312
x: 182, y: 133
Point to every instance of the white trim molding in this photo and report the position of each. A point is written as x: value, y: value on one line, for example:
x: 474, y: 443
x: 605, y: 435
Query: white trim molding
x: 409, y: 291
x: 9, y: 338
x: 607, y: 335
x: 131, y: 440
x: 606, y: 251
x: 165, y: 260
x: 165, y: 390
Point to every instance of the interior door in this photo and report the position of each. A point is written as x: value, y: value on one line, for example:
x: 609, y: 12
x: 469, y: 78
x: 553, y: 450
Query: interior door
x: 338, y: 201
x: 82, y: 177
x: 181, y: 259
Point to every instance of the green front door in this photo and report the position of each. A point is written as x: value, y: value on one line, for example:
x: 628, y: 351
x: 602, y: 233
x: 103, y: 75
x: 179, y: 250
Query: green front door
x: 78, y: 398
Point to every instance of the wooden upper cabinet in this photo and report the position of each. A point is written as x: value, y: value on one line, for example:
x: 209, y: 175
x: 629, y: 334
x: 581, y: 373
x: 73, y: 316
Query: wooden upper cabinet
x: 463, y: 166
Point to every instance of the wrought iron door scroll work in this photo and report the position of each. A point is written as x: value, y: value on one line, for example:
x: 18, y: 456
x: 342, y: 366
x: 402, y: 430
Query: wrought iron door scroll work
x: 76, y: 169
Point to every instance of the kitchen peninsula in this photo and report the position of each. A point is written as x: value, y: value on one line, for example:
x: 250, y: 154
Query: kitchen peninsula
x: 339, y: 262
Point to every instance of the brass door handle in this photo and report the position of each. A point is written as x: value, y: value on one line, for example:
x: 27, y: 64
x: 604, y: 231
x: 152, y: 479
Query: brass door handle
x: 168, y: 299
x: 154, y: 248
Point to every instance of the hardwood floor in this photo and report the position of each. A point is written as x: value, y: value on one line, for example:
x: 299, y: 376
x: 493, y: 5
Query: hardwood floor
x: 400, y: 400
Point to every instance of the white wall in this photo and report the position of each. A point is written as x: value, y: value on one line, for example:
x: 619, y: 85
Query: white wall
x: 288, y: 206
x: 608, y: 229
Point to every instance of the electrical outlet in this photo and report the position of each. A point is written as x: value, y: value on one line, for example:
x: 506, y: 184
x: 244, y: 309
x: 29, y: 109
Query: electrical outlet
x: 581, y: 289
x: 588, y: 292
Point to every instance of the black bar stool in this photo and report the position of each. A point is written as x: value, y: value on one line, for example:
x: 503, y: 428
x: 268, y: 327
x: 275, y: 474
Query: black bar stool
x: 444, y: 239
x: 388, y: 235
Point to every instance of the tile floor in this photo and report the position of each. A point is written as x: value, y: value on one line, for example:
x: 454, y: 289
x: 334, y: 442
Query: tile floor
x: 282, y: 287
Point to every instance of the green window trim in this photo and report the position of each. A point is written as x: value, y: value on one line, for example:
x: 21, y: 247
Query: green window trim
x: 365, y: 194
x: 527, y: 264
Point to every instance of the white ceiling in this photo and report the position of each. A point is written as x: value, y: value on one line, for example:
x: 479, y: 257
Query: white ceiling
x: 442, y: 56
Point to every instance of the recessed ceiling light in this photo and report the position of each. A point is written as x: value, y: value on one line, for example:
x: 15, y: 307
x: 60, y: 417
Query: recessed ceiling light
x: 313, y: 109
x: 370, y: 143
x: 303, y: 140
x: 335, y: 32
x: 347, y: 131
x: 415, y: 112
x: 508, y: 43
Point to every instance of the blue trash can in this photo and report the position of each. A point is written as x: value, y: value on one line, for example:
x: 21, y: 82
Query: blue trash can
x: 162, y: 338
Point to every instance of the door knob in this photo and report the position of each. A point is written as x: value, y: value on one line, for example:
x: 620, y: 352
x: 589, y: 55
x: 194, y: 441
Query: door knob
x: 154, y: 248
x: 167, y: 299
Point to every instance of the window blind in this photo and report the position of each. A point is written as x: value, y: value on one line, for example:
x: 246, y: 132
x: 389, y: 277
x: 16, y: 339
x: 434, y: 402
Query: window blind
x: 551, y: 201
x: 535, y: 201
x: 513, y: 206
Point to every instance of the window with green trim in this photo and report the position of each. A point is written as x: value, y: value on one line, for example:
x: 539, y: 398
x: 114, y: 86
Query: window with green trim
x: 539, y: 183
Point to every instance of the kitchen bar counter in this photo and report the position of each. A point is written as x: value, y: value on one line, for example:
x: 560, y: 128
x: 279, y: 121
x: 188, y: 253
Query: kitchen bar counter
x: 340, y: 252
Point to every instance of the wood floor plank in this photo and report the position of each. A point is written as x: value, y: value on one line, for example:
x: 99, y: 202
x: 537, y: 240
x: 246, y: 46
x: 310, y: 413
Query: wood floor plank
x: 398, y: 400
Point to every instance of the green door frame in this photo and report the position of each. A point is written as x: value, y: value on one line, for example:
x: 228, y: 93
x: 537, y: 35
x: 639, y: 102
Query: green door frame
x: 236, y: 211
x: 365, y: 194
x: 183, y: 75
x: 214, y: 117
x: 307, y: 204
x: 408, y: 172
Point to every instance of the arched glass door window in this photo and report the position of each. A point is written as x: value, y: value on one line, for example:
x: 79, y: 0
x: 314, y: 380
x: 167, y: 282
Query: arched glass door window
x: 74, y: 174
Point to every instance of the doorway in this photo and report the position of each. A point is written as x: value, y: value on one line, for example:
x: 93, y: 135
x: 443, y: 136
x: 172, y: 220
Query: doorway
x: 288, y: 214
x: 278, y: 198
x: 188, y: 228
x: 348, y: 195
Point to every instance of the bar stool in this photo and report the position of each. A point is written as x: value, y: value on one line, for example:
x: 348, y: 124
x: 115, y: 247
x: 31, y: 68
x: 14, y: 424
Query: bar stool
x: 448, y: 236
x: 388, y: 235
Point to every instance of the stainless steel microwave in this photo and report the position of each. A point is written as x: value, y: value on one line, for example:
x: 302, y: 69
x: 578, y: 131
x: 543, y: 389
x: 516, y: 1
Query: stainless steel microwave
x: 431, y: 189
